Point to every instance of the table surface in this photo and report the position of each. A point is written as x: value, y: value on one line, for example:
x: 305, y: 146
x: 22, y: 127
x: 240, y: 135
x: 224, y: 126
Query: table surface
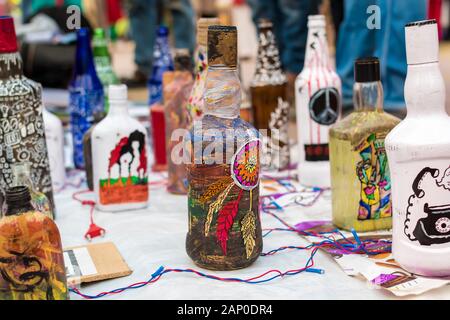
x: 155, y: 237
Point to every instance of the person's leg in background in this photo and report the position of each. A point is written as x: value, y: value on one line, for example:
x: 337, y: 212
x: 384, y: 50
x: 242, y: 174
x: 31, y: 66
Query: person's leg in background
x: 183, y: 24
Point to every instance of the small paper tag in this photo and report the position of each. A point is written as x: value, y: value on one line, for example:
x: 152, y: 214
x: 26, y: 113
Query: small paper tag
x: 79, y: 261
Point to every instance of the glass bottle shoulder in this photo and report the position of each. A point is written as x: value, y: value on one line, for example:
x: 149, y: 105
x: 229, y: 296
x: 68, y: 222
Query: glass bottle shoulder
x: 210, y: 122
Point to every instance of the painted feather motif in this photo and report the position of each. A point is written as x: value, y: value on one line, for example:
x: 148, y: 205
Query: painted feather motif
x: 215, y: 189
x: 248, y: 229
x: 225, y: 221
x: 215, y: 206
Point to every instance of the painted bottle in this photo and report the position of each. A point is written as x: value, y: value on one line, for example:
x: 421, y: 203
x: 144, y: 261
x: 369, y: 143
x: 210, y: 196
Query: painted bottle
x: 102, y: 61
x: 22, y: 177
x: 418, y: 152
x: 196, y: 102
x: 31, y: 255
x: 223, y: 174
x: 177, y: 88
x: 360, y: 178
x: 268, y: 92
x: 86, y: 95
x: 54, y: 134
x: 22, y: 137
x: 119, y: 157
x: 318, y: 104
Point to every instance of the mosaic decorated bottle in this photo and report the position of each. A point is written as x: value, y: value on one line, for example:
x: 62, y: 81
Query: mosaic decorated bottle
x: 22, y: 137
x: 223, y: 174
x: 119, y: 157
x: 419, y: 155
x: 86, y: 95
x: 360, y: 178
x: 268, y: 92
x: 196, y: 102
x: 31, y: 255
x: 318, y: 104
x: 102, y: 61
x: 54, y: 134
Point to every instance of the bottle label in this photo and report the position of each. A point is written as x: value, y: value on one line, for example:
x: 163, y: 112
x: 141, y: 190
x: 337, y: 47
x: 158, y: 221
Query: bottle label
x: 374, y: 177
x: 125, y: 179
x: 427, y: 219
x: 324, y: 106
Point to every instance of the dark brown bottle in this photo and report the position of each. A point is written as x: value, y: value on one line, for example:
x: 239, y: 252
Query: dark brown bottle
x: 268, y: 94
x: 22, y: 137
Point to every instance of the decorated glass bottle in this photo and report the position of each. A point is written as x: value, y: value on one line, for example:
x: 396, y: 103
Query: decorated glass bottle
x: 102, y: 61
x: 22, y: 177
x: 318, y: 104
x: 86, y: 95
x: 177, y: 88
x: 119, y: 157
x: 223, y: 174
x: 22, y: 137
x: 196, y: 102
x: 419, y: 156
x: 54, y: 134
x: 268, y: 92
x: 31, y: 255
x: 360, y: 178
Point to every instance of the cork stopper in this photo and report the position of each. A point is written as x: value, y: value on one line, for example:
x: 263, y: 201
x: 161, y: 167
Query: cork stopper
x: 202, y: 29
x: 422, y: 42
x: 265, y: 23
x: 222, y: 46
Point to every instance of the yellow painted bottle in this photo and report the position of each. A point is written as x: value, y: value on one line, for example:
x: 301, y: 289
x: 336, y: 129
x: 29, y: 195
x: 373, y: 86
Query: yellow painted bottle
x: 360, y: 178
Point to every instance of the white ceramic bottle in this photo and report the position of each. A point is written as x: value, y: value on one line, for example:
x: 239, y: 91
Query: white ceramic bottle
x: 54, y: 135
x: 419, y: 157
x: 318, y: 104
x: 119, y: 157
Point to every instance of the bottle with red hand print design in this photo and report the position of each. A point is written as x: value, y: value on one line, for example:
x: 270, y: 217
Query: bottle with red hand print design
x: 119, y: 157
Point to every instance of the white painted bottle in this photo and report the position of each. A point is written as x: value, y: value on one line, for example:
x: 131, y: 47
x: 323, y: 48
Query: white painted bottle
x: 54, y: 135
x: 119, y: 157
x: 419, y: 157
x: 318, y: 102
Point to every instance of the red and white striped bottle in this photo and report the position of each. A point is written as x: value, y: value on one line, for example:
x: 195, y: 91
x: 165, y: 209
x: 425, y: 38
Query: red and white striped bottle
x: 318, y: 104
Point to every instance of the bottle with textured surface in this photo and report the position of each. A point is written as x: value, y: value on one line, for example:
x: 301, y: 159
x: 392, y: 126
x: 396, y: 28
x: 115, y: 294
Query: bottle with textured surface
x: 223, y: 176
x: 318, y: 103
x: 31, y: 254
x: 22, y: 137
x: 268, y: 92
x: 86, y: 95
x: 360, y: 178
x: 419, y: 155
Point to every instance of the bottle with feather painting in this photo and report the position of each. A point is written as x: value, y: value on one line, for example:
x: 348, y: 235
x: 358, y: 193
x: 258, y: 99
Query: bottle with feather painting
x: 119, y: 157
x: 223, y: 173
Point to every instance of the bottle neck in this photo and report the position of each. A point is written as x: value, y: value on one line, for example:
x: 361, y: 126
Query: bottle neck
x: 425, y: 90
x: 84, y: 58
x: 317, y: 54
x: 222, y: 92
x: 10, y: 65
x: 118, y: 108
x: 368, y: 96
x: 161, y: 54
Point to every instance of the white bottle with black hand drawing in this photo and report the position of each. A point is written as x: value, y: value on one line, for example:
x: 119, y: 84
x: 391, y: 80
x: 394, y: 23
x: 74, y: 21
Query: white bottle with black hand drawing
x: 119, y: 157
x: 318, y: 104
x: 419, y: 157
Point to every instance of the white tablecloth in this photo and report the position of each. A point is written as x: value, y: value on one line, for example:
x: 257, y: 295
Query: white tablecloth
x: 155, y: 237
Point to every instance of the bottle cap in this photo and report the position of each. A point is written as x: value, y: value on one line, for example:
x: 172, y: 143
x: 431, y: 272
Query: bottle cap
x: 202, y: 29
x: 222, y: 46
x: 265, y: 23
x: 118, y: 92
x: 163, y: 31
x: 18, y: 195
x: 8, y: 39
x: 316, y: 21
x: 422, y: 42
x: 367, y: 70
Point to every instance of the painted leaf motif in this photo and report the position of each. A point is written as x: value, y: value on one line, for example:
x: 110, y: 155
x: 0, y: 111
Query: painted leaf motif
x: 215, y: 206
x: 215, y: 189
x: 248, y: 229
x: 225, y: 221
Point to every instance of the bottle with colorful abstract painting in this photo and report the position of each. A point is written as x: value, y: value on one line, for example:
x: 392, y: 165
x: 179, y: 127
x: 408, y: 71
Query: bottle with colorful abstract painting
x: 196, y: 102
x: 360, y: 178
x: 119, y: 157
x: 31, y: 254
x: 318, y: 101
x: 223, y: 173
x: 418, y: 152
x: 268, y: 91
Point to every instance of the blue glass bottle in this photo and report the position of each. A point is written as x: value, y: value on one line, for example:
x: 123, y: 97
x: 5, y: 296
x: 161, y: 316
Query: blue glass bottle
x: 86, y: 95
x: 162, y: 62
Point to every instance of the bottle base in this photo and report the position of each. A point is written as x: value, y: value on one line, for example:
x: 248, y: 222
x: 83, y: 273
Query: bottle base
x: 121, y: 207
